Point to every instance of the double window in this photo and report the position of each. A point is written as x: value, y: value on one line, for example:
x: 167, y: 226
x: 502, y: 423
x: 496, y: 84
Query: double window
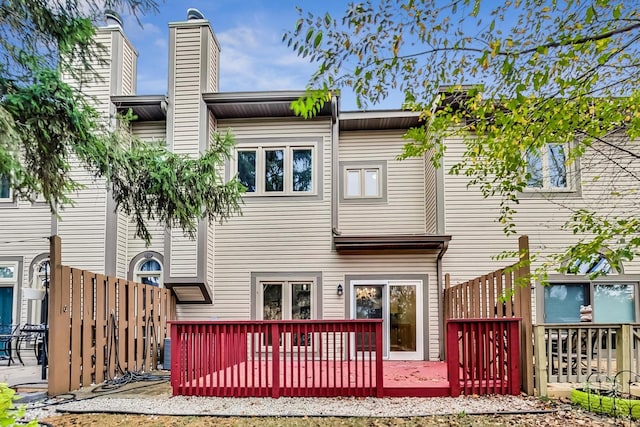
x: 277, y: 170
x: 547, y: 168
x: 363, y: 181
x: 611, y: 301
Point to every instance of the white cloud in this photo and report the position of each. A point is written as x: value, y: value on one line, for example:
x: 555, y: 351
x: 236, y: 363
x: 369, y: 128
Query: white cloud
x: 253, y: 59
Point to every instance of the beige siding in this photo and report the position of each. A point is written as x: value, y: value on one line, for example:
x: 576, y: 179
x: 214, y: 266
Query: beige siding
x: 186, y: 91
x: 214, y: 60
x: 129, y: 58
x: 150, y: 131
x: 25, y: 232
x: 403, y: 211
x: 430, y: 197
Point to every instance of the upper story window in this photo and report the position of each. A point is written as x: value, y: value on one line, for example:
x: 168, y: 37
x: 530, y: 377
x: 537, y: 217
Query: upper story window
x: 277, y: 170
x: 363, y: 181
x: 547, y: 168
x: 5, y: 189
x: 149, y: 272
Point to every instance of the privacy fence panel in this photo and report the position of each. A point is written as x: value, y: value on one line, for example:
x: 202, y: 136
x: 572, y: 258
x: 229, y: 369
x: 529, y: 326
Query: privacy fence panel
x: 101, y: 326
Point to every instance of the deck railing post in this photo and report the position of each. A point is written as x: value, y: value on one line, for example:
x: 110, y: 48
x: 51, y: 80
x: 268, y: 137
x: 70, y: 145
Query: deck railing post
x: 623, y: 357
x: 453, y: 358
x: 275, y: 360
x: 540, y: 349
x: 176, y: 367
x: 379, y: 364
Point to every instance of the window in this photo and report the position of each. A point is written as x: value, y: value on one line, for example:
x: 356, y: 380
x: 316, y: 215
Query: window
x: 612, y: 301
x: 287, y: 300
x: 547, y: 168
x: 149, y: 272
x: 277, y: 170
x: 5, y: 189
x: 363, y: 181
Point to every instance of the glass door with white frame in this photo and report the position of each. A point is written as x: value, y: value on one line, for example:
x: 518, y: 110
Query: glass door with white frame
x: 399, y: 304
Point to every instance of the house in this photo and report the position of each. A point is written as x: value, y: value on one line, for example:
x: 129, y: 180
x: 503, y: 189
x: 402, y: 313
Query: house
x: 333, y: 225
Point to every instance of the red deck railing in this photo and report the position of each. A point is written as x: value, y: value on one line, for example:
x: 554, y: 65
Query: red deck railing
x: 484, y: 353
x: 314, y: 358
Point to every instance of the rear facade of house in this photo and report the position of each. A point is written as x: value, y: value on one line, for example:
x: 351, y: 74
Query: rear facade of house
x: 333, y: 225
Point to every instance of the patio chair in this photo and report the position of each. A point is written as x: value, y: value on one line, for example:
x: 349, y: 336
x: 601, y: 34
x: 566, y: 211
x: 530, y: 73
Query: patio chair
x: 8, y: 333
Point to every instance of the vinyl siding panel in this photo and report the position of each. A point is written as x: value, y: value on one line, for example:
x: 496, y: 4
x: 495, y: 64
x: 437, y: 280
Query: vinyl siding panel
x: 214, y: 60
x: 24, y: 233
x: 150, y: 131
x: 82, y: 227
x: 430, y: 197
x: 186, y: 91
x: 129, y: 58
x: 403, y: 212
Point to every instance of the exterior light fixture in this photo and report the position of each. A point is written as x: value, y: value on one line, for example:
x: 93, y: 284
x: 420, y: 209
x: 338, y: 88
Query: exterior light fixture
x: 340, y: 289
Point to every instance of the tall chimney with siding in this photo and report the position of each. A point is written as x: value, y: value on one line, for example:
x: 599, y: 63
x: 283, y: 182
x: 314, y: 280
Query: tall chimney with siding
x: 193, y: 70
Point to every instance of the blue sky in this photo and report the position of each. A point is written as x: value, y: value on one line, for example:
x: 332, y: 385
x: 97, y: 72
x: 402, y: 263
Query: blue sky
x: 253, y: 57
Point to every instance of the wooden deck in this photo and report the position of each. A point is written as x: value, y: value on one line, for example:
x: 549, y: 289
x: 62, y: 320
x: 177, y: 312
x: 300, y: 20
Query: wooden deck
x: 400, y: 379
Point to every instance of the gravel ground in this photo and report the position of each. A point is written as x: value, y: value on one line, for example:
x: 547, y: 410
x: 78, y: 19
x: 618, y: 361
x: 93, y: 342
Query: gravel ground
x: 308, y: 407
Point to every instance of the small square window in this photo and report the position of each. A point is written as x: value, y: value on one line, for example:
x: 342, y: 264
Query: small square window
x: 363, y: 182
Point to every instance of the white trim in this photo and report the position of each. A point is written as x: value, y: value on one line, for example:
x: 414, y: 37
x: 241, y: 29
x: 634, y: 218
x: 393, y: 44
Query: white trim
x: 386, y: 317
x: 159, y: 274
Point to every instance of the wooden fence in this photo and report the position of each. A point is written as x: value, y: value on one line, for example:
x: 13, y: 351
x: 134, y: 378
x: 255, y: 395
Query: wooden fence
x: 101, y: 326
x: 483, y: 356
x: 310, y: 358
x: 503, y: 293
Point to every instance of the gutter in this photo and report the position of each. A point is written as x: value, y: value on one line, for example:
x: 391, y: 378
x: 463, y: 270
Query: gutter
x: 335, y: 135
x: 441, y: 253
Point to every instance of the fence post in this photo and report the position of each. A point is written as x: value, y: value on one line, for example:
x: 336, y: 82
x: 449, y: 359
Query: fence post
x: 379, y: 364
x: 453, y: 359
x: 58, y: 339
x: 623, y: 356
x: 522, y: 288
x: 275, y: 360
x: 539, y: 346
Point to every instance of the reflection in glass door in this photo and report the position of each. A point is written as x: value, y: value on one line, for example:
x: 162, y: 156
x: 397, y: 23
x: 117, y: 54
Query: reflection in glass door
x: 369, y: 304
x: 399, y: 304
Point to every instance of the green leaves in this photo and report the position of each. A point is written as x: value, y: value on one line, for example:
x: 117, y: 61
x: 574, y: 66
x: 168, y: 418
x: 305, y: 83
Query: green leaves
x: 553, y: 72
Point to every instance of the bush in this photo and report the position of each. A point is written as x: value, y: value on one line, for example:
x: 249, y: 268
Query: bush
x: 8, y: 412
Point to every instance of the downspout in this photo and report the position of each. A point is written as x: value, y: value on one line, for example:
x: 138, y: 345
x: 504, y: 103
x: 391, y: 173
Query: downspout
x: 335, y: 132
x: 443, y: 249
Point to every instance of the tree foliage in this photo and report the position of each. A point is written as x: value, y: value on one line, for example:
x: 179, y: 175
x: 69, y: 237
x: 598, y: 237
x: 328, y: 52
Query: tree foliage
x: 508, y: 78
x: 47, y: 127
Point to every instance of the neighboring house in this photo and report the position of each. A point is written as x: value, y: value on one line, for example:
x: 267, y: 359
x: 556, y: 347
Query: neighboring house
x: 333, y: 225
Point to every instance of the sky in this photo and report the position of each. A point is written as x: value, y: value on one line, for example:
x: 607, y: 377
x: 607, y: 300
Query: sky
x: 253, y: 56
